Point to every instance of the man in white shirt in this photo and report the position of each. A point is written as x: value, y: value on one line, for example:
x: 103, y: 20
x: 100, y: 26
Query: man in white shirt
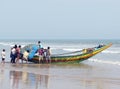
x: 3, y: 56
x: 13, y: 54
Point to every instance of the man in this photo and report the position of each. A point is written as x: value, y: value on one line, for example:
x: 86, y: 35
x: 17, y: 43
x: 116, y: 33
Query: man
x: 48, y: 55
x: 3, y: 56
x: 25, y: 56
x: 39, y: 45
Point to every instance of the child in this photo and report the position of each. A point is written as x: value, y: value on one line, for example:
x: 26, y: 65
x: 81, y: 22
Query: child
x: 3, y: 56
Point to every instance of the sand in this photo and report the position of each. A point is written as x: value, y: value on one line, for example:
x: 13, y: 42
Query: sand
x: 48, y: 76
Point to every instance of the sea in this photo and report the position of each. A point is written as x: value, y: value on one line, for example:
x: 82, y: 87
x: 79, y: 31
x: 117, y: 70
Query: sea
x: 101, y: 71
x: 108, y: 56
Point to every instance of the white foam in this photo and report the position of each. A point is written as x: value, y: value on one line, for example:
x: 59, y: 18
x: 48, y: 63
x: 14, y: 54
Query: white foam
x: 5, y: 44
x: 111, y: 52
x: 106, y: 62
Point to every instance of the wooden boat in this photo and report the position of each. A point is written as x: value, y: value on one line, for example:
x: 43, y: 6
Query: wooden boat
x: 73, y: 57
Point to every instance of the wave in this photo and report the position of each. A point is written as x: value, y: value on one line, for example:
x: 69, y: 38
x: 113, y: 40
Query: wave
x: 111, y: 52
x: 9, y: 44
x: 5, y: 44
x: 105, y: 62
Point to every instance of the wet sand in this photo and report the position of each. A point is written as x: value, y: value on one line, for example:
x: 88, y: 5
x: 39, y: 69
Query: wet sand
x: 71, y: 76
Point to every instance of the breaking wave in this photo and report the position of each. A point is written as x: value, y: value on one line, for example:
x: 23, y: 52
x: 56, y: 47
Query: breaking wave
x: 105, y: 62
x: 111, y: 52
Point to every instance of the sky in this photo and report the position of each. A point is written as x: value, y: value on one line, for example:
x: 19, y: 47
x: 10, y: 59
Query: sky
x: 59, y: 19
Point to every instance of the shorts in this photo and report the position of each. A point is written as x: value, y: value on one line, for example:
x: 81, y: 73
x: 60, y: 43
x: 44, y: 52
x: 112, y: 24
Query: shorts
x: 47, y: 57
x: 3, y: 59
x: 40, y: 57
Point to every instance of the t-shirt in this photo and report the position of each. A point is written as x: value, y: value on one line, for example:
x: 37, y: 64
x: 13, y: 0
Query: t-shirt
x: 48, y: 52
x: 25, y: 55
x: 40, y: 46
x: 41, y: 51
x: 3, y: 54
x: 18, y: 50
x: 13, y: 51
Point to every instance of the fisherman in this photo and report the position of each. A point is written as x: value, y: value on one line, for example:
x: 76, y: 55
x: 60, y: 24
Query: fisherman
x: 48, y: 55
x: 3, y: 56
x: 18, y: 53
x: 13, y: 54
x: 40, y: 51
x: 39, y: 45
x: 25, y: 56
x: 41, y: 54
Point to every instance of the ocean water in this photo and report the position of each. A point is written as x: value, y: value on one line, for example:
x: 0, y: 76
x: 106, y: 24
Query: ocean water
x: 108, y: 56
x: 98, y: 72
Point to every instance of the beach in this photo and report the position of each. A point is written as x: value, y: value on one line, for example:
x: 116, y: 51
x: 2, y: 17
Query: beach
x: 99, y: 72
x: 51, y: 76
x: 45, y: 32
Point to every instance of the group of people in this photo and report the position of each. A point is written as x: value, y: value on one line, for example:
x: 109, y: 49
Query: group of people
x: 44, y: 54
x: 16, y: 54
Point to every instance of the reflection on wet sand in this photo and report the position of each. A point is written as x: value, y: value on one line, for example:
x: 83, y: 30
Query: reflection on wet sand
x: 15, y: 76
x: 35, y: 76
x: 42, y: 81
x: 28, y: 80
x: 1, y: 77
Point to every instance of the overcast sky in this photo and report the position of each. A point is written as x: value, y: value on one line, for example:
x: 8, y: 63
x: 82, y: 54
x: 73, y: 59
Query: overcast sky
x: 59, y: 19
